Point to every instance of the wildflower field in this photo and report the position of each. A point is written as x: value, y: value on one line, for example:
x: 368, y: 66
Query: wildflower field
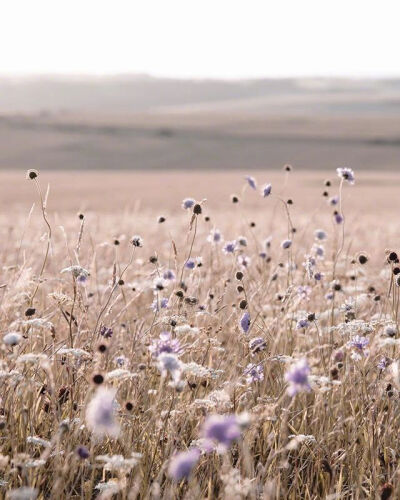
x: 242, y: 349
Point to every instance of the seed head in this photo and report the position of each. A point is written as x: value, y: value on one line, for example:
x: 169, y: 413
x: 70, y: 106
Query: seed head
x: 32, y: 174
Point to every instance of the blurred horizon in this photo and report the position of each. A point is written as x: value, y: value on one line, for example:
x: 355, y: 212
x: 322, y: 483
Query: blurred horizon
x: 142, y: 122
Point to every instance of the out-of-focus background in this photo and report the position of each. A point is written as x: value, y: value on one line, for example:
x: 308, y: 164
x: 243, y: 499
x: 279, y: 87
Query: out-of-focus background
x: 149, y: 123
x: 193, y: 87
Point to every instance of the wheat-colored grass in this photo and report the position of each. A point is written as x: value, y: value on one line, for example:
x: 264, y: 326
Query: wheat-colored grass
x: 351, y: 415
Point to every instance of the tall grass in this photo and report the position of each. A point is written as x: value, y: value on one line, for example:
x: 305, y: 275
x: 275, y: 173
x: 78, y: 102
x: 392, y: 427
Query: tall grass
x: 84, y: 306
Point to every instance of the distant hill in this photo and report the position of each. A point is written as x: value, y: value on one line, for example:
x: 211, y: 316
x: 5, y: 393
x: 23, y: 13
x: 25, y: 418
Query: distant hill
x: 141, y: 122
x: 137, y: 94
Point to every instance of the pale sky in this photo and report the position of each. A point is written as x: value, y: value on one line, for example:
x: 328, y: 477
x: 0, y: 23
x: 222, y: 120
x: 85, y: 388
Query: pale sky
x: 202, y: 38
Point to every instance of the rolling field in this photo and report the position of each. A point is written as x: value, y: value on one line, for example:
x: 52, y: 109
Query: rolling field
x: 245, y: 346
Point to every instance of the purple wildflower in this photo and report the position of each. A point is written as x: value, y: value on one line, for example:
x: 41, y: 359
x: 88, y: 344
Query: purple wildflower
x: 254, y: 373
x: 190, y: 264
x: 182, y: 464
x: 384, y: 362
x: 188, y: 203
x: 257, y: 344
x: 100, y: 413
x: 156, y: 305
x: 320, y: 234
x: 334, y: 200
x: 222, y: 429
x: 319, y: 251
x: 215, y: 236
x: 229, y: 247
x: 82, y: 452
x: 338, y: 217
x: 106, y: 332
x: 302, y: 323
x: 251, y: 181
x: 318, y: 276
x: 346, y: 173
x: 304, y: 292
x: 286, y: 244
x: 82, y: 278
x: 245, y: 322
x: 266, y: 190
x: 165, y: 343
x: 168, y: 362
x: 169, y: 275
x: 359, y: 343
x: 297, y: 376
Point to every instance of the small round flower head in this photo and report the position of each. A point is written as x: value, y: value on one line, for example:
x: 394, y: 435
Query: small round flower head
x: 320, y: 234
x: 188, y: 203
x: 100, y: 413
x: 221, y: 429
x: 286, y: 244
x: 169, y: 275
x: 168, y: 363
x: 302, y: 323
x: 230, y: 247
x: 266, y: 190
x: 106, y: 332
x: 121, y: 360
x: 215, y: 236
x: 245, y: 322
x: 156, y: 305
x: 32, y: 174
x: 242, y: 240
x: 384, y: 362
x: 304, y: 292
x: 82, y: 452
x: 390, y: 330
x: 346, y: 173
x: 182, y: 464
x: 253, y: 373
x: 251, y: 181
x: 244, y: 261
x: 334, y: 200
x: 359, y: 343
x: 338, y: 217
x: 137, y: 241
x: 297, y: 377
x: 257, y: 344
x: 165, y: 343
x: 12, y: 338
x: 190, y: 264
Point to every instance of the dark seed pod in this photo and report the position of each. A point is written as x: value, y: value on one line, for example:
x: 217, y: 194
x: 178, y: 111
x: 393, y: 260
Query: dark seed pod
x: 239, y: 275
x: 197, y: 209
x: 98, y: 379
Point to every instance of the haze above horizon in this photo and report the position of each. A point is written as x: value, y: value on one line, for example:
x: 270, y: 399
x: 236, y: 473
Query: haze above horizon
x: 201, y: 40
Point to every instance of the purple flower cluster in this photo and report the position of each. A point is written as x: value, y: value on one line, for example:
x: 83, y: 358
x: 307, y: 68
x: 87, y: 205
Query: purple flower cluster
x: 245, y: 322
x: 297, y: 377
x: 222, y: 430
x: 254, y: 373
x: 165, y: 343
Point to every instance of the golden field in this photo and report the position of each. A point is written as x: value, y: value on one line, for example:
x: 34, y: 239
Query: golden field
x: 81, y: 319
